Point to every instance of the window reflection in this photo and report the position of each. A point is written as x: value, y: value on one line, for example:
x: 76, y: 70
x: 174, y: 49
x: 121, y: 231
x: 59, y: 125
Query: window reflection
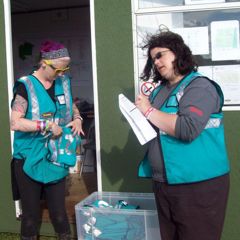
x: 150, y: 24
x: 165, y: 3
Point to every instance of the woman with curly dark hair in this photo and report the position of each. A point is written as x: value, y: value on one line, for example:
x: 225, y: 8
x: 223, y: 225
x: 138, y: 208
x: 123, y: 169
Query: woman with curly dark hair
x: 188, y: 160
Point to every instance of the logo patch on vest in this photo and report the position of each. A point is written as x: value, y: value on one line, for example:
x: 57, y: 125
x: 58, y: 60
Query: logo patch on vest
x: 47, y: 115
x: 61, y: 99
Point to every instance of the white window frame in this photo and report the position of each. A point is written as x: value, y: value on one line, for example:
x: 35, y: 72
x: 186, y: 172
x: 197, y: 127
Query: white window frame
x: 136, y: 11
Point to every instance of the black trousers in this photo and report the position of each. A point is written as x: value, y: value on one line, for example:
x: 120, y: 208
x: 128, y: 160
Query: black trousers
x: 192, y: 211
x: 30, y: 194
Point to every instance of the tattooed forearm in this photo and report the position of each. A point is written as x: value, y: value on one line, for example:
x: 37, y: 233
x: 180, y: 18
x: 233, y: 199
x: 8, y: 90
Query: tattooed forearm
x: 18, y: 122
x: 20, y: 105
x: 23, y: 124
x: 13, y: 124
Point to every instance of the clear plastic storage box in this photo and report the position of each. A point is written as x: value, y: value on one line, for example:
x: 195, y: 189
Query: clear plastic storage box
x: 101, y: 216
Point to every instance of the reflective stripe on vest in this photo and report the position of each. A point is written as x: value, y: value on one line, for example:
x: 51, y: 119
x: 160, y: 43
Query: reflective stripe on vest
x: 212, y: 123
x: 68, y: 116
x: 34, y: 100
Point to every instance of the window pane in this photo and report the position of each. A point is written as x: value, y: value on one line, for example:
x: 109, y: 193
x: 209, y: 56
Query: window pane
x: 165, y: 3
x: 213, y: 37
x: 150, y: 24
x: 159, y: 3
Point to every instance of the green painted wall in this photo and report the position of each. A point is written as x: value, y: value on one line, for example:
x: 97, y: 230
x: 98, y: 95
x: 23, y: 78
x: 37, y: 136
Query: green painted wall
x: 120, y: 150
x: 232, y: 129
x: 7, y: 216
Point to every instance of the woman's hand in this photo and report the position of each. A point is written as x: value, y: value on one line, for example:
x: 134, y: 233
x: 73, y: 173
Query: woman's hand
x: 76, y: 126
x: 142, y: 103
x: 164, y: 121
x: 55, y: 129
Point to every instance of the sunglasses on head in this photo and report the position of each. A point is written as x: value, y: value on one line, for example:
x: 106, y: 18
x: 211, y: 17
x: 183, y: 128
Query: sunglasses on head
x: 159, y: 55
x: 57, y: 70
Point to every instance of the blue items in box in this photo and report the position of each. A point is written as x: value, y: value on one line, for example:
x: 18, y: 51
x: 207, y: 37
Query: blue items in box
x: 117, y: 227
x: 114, y: 227
x: 120, y: 205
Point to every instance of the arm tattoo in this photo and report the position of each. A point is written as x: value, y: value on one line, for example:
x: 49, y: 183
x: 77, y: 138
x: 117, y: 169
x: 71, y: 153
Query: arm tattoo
x: 76, y: 113
x: 13, y: 123
x: 20, y: 105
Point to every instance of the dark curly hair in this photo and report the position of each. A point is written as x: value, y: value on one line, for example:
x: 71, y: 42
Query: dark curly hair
x: 184, y: 62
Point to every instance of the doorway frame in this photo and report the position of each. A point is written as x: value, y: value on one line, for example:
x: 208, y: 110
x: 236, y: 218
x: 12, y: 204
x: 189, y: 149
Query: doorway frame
x: 10, y: 78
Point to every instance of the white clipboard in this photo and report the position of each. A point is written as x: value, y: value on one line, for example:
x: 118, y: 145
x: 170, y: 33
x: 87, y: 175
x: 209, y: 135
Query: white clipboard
x: 139, y: 124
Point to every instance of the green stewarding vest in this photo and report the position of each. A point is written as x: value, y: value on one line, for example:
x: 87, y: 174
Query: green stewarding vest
x: 37, y: 149
x: 203, y: 158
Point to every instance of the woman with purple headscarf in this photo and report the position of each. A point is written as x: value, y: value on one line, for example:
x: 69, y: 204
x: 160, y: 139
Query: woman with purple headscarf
x: 46, y: 126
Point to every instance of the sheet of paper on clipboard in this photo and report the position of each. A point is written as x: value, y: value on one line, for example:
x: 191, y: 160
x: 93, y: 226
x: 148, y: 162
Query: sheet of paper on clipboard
x: 140, y: 125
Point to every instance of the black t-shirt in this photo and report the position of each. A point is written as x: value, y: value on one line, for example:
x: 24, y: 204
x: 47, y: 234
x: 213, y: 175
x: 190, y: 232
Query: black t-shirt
x: 21, y: 90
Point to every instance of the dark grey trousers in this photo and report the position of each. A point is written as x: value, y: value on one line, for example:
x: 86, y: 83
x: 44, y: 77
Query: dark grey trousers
x: 192, y: 211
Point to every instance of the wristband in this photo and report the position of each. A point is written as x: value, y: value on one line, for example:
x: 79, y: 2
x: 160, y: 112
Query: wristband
x: 78, y: 117
x: 47, y: 126
x: 43, y: 125
x: 38, y: 125
x: 150, y: 113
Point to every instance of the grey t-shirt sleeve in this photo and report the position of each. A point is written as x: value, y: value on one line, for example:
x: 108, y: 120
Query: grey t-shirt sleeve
x: 199, y: 101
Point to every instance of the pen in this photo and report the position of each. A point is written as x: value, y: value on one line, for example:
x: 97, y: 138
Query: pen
x: 133, y: 109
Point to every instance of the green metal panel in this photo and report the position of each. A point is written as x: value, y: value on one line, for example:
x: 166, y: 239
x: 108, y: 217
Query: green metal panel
x: 120, y: 150
x: 232, y: 130
x: 7, y: 217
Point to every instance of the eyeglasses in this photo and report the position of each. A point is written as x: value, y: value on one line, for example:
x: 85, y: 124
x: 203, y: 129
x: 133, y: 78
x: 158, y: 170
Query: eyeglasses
x: 57, y: 70
x: 159, y: 55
